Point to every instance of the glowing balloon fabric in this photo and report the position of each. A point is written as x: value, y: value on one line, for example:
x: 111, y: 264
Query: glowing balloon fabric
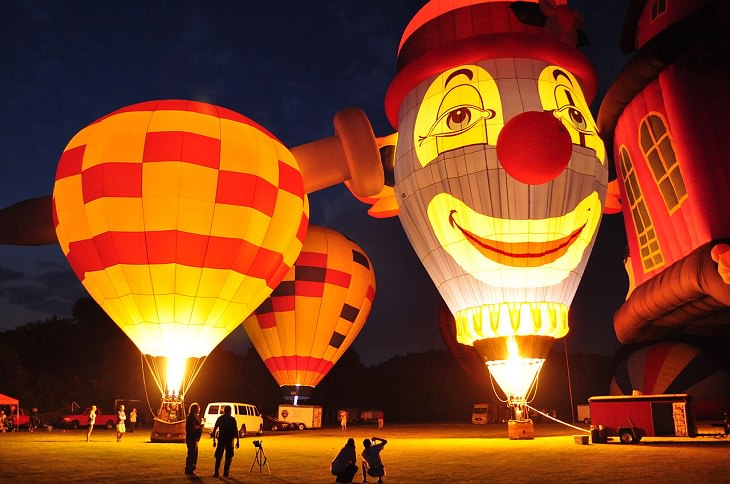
x: 467, y: 357
x: 500, y: 174
x: 179, y: 218
x: 316, y: 311
x: 676, y: 368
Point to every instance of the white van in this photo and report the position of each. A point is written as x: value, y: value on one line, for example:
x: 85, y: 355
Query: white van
x: 480, y: 413
x: 247, y: 416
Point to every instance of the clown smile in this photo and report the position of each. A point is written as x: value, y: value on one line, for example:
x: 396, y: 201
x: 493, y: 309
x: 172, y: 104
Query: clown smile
x: 536, y: 252
x: 518, y: 253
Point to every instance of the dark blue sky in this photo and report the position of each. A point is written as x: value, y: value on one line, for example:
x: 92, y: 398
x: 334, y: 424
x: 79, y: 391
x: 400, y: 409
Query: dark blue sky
x: 289, y: 65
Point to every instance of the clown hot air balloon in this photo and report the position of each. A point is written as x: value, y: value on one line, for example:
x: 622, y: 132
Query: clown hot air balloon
x: 179, y: 218
x: 500, y: 175
x: 315, y: 313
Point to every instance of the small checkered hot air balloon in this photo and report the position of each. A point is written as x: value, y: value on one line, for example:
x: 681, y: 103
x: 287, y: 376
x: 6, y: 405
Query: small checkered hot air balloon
x: 179, y: 218
x: 315, y: 313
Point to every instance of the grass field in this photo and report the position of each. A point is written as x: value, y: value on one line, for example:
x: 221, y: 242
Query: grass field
x: 459, y: 453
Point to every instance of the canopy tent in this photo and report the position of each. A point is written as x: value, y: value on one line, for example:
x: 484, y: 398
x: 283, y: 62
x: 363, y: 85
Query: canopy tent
x: 6, y: 400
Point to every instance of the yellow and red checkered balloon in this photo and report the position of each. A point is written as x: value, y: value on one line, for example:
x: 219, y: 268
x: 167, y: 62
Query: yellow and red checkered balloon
x: 179, y: 218
x: 315, y: 313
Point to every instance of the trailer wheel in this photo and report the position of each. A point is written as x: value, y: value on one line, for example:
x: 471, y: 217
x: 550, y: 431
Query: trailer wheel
x: 627, y: 437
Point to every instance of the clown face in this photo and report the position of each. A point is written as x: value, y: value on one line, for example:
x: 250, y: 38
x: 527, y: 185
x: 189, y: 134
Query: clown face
x: 501, y: 214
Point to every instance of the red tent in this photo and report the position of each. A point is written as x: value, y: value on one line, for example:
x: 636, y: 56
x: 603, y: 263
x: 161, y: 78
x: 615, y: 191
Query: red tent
x: 6, y: 400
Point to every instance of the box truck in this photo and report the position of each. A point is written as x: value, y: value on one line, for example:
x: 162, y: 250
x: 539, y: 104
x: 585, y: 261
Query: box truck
x: 632, y: 417
x: 480, y: 413
x: 303, y: 416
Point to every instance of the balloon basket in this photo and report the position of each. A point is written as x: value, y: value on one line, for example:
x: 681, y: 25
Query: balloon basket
x: 521, y: 429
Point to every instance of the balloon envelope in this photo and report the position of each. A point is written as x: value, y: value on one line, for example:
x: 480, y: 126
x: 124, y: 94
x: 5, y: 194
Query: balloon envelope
x: 499, y: 170
x: 179, y: 218
x: 315, y: 313
x: 467, y: 357
x: 676, y: 368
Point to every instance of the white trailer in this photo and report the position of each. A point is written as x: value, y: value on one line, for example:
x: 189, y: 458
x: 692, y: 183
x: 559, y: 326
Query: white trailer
x: 303, y: 416
x: 584, y: 413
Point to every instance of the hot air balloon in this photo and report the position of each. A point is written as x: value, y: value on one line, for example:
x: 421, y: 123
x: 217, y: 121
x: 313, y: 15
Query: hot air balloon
x: 500, y: 175
x: 179, y: 218
x: 466, y: 356
x: 670, y: 367
x: 315, y: 313
x: 670, y: 151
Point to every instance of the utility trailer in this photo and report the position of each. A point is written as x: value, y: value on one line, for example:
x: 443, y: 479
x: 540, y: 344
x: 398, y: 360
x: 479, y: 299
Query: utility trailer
x: 632, y: 417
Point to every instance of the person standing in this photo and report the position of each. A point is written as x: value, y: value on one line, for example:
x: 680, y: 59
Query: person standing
x: 343, y: 465
x: 193, y: 432
x: 133, y: 419
x: 92, y: 422
x: 372, y: 465
x: 35, y: 420
x: 225, y: 429
x: 121, y: 428
x: 343, y: 419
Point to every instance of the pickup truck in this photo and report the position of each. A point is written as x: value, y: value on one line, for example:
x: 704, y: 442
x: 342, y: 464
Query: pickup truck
x: 81, y: 419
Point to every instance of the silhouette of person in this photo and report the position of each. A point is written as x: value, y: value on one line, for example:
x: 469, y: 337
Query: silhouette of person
x: 225, y: 429
x: 193, y: 432
x: 372, y: 465
x: 35, y: 420
x: 343, y: 465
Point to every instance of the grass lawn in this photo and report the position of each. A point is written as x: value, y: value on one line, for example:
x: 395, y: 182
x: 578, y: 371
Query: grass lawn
x: 414, y: 453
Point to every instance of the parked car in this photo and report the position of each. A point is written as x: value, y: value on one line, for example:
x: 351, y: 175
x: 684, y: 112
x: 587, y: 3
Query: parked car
x: 247, y: 417
x: 274, y: 424
x: 81, y: 419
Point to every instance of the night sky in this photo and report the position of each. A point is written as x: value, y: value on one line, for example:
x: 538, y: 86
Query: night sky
x: 288, y: 65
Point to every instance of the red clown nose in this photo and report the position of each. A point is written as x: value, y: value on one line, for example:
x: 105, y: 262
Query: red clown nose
x: 534, y: 147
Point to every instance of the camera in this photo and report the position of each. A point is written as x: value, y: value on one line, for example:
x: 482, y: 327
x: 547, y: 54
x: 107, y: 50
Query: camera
x: 257, y: 443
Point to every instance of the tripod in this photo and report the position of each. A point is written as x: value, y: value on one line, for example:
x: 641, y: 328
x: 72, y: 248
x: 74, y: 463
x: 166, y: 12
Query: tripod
x: 260, y: 458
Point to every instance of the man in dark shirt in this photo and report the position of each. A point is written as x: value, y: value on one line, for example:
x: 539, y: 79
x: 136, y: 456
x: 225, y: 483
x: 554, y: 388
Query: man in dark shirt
x: 372, y: 465
x: 193, y: 431
x: 225, y: 429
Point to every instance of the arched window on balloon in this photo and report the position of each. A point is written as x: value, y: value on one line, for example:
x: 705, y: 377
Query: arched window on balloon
x: 658, y: 149
x: 650, y: 251
x: 658, y: 7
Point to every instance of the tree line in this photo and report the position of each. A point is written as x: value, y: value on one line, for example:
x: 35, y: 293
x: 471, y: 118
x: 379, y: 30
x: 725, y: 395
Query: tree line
x: 88, y: 359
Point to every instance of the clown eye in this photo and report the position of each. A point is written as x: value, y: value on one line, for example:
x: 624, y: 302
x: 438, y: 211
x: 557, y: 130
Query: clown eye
x: 577, y: 118
x: 573, y: 117
x: 456, y: 121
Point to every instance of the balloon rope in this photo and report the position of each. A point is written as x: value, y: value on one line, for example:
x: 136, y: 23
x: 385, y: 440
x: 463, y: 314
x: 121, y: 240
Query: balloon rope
x: 555, y: 419
x: 570, y: 385
x: 197, y: 366
x: 494, y: 389
x: 144, y: 382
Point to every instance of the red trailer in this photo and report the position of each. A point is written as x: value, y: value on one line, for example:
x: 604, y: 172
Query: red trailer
x: 632, y: 417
